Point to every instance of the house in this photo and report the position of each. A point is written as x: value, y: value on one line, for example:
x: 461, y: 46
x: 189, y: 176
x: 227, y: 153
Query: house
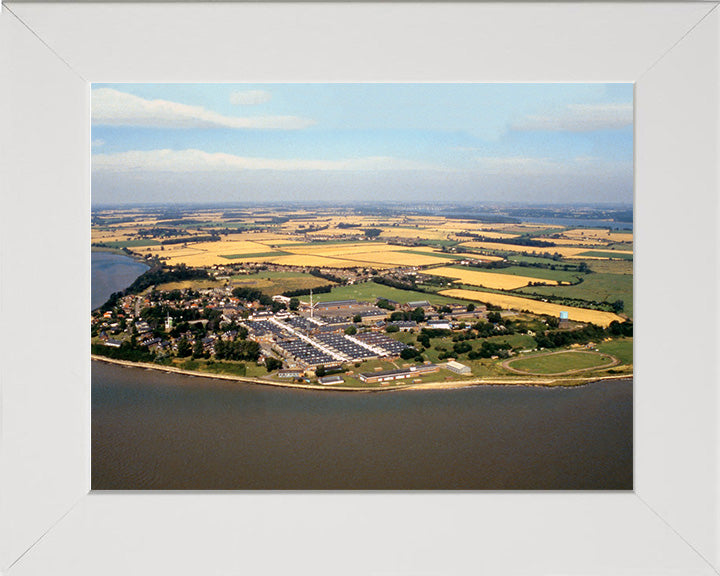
x: 327, y: 380
x: 113, y: 343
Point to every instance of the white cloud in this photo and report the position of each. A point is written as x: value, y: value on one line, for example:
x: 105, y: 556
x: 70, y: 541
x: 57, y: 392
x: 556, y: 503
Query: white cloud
x: 199, y: 161
x: 98, y: 143
x: 580, y: 118
x: 115, y: 108
x: 530, y: 166
x: 249, y: 97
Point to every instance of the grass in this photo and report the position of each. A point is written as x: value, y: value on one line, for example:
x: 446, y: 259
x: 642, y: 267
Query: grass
x: 277, y: 282
x: 595, y: 287
x: 132, y: 243
x: 369, y: 291
x: 557, y: 363
x: 528, y: 259
x: 601, y: 254
x: 611, y: 266
x: 622, y: 349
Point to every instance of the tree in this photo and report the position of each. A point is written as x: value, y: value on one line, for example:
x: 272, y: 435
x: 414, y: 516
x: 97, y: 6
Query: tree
x: 418, y: 314
x: 392, y: 328
x: 372, y: 232
x: 184, y: 348
x: 494, y: 317
x: 197, y: 349
x: 272, y: 364
x: 408, y: 353
x: 350, y: 330
x: 320, y: 371
x: 470, y: 307
x: 357, y: 318
x: 618, y: 306
x: 294, y: 303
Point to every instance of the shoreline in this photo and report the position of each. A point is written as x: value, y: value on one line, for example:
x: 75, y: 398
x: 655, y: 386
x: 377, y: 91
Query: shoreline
x: 449, y: 385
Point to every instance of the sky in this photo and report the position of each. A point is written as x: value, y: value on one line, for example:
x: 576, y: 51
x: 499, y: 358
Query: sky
x: 344, y: 143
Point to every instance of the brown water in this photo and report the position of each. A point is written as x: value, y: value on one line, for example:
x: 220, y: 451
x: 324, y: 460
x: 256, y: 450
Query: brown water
x: 152, y: 430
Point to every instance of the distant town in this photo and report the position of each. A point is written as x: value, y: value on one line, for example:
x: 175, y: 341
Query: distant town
x: 354, y: 299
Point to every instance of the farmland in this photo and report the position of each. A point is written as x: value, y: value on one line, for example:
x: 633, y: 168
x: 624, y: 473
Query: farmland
x: 486, y: 279
x: 394, y: 254
x: 537, y: 307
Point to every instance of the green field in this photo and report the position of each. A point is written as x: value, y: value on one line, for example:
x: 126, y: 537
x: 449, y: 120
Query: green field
x: 131, y: 243
x: 622, y: 348
x: 611, y: 266
x: 277, y: 282
x: 540, y: 273
x: 595, y: 287
x: 557, y: 363
x: 528, y: 259
x: 600, y: 254
x: 369, y: 291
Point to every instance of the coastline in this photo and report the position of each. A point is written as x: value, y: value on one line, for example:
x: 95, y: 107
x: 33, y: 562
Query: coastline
x: 570, y: 382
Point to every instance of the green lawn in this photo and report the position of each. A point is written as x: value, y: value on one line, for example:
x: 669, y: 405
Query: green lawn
x: 622, y: 348
x: 557, y: 363
x: 595, y: 287
x: 132, y: 243
x: 369, y: 291
x: 601, y: 254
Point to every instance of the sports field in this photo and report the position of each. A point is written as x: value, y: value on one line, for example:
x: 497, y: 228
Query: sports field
x: 557, y: 363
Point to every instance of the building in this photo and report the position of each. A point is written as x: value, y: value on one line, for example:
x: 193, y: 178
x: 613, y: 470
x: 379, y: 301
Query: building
x: 113, y: 343
x: 439, y: 324
x: 457, y: 367
x: 291, y: 373
x: 327, y: 380
x: 400, y: 374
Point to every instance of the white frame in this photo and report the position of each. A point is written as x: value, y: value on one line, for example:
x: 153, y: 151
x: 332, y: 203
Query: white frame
x: 49, y: 523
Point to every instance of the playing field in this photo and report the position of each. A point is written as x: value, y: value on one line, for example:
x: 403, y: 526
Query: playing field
x: 535, y: 306
x: 555, y: 363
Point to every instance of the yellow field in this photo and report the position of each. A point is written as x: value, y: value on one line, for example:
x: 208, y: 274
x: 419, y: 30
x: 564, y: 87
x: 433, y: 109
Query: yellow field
x: 515, y: 303
x: 318, y: 261
x: 564, y: 251
x: 390, y: 258
x: 599, y: 234
x: 486, y: 279
x: 415, y: 233
x: 338, y: 249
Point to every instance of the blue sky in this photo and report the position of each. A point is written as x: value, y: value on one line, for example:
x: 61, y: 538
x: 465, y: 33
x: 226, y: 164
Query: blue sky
x: 537, y: 143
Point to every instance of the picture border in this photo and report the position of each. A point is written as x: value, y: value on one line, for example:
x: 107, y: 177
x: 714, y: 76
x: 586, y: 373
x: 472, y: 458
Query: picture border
x: 50, y: 53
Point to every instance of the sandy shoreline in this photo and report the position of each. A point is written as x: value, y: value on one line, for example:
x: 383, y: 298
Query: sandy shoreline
x: 540, y: 383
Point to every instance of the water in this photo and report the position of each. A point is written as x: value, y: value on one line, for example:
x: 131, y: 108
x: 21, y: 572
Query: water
x: 581, y: 222
x: 111, y: 273
x: 152, y: 430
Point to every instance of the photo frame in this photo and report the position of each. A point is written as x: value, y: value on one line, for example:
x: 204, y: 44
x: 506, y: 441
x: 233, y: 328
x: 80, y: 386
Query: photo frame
x: 49, y: 522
